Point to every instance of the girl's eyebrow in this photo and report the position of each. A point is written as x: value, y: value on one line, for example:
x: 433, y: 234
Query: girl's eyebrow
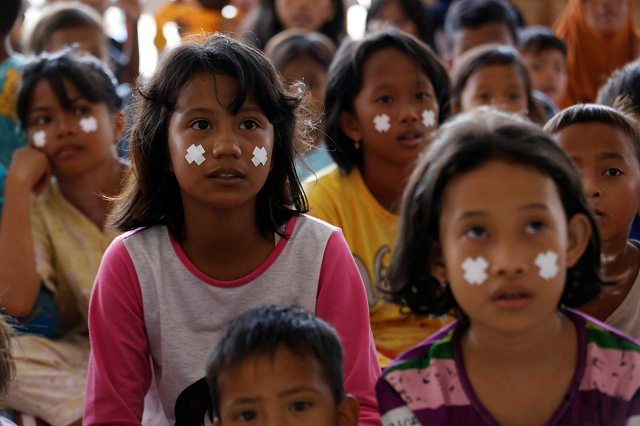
x: 610, y: 156
x: 534, y: 206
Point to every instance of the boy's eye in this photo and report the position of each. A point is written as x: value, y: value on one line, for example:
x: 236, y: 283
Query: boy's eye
x: 476, y: 232
x: 534, y: 227
x: 42, y: 120
x: 385, y: 99
x: 247, y: 416
x: 300, y: 406
x: 249, y: 125
x: 423, y: 95
x: 201, y: 125
x: 81, y: 110
x: 612, y: 172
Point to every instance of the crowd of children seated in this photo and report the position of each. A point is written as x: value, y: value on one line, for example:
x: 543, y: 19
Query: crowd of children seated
x: 435, y: 222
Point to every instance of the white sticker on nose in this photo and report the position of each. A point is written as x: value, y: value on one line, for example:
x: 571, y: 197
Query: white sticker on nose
x: 429, y: 118
x: 547, y: 264
x: 194, y: 153
x: 39, y: 139
x: 89, y: 124
x: 475, y: 270
x: 259, y: 156
x: 381, y: 122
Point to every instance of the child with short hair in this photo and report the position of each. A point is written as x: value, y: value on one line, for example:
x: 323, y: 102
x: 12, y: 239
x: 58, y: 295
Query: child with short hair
x: 410, y: 16
x: 11, y: 137
x: 493, y: 75
x: 605, y: 145
x: 545, y: 56
x: 270, y: 17
x: 303, y: 56
x: 279, y: 365
x: 496, y: 226
x: 51, y: 245
x: 379, y: 118
x: 215, y: 213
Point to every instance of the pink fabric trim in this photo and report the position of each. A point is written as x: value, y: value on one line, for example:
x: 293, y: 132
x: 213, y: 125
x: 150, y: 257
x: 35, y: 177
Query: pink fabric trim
x: 244, y: 280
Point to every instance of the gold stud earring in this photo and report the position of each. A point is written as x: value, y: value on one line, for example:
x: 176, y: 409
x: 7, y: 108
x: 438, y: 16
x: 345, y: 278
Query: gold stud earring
x: 357, y: 145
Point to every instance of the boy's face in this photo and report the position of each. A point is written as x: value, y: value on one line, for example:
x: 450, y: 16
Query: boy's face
x: 605, y: 16
x: 286, y: 389
x: 88, y: 39
x: 548, y: 72
x: 610, y: 173
x: 493, y: 32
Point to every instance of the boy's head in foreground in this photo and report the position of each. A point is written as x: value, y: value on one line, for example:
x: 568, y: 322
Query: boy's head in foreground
x: 545, y: 56
x: 279, y: 365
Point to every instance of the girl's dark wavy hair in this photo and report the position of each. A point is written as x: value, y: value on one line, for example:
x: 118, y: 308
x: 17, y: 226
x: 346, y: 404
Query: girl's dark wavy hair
x: 460, y: 146
x: 345, y: 82
x: 89, y: 75
x: 416, y: 11
x: 151, y: 195
x: 263, y: 24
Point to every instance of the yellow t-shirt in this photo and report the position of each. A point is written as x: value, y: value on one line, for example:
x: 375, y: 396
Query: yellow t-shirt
x: 68, y: 249
x: 371, y: 231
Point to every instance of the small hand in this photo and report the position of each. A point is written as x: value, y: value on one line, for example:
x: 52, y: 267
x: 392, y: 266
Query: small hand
x: 30, y: 167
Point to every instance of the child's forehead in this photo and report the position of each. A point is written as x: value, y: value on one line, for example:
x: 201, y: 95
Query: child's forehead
x: 45, y: 93
x: 213, y: 89
x: 376, y: 68
x: 596, y: 139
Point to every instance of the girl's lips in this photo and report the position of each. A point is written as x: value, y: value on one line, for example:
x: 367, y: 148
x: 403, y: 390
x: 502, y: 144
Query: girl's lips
x: 599, y: 213
x: 226, y: 176
x: 410, y: 138
x: 66, y: 151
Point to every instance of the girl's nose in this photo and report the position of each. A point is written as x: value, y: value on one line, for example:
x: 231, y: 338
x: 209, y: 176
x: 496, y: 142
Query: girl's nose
x: 226, y: 145
x: 409, y: 113
x: 591, y: 188
x: 507, y: 262
x: 66, y: 126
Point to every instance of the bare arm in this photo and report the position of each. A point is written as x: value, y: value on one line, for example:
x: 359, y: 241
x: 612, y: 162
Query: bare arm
x: 19, y: 281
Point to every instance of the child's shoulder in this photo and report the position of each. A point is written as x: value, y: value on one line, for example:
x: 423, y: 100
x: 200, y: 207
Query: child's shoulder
x: 330, y: 179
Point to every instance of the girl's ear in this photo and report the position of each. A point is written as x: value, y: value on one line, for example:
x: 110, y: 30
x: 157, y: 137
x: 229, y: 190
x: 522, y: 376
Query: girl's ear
x: 119, y: 121
x: 350, y: 126
x: 348, y: 411
x: 579, y: 235
x: 436, y: 264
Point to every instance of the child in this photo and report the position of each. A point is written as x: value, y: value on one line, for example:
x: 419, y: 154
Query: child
x: 279, y: 366
x: 10, y: 64
x: 214, y: 232
x: 70, y: 112
x: 7, y: 365
x: 495, y: 76
x: 495, y: 225
x: 193, y: 17
x: 410, y: 16
x: 605, y: 145
x: 545, y: 56
x: 303, y: 56
x: 379, y: 118
x: 272, y: 16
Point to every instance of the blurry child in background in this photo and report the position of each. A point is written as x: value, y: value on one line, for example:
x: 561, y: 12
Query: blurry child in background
x: 69, y: 109
x: 7, y: 365
x: 303, y: 56
x: 545, y: 56
x: 279, y: 366
x: 410, y: 16
x: 605, y: 145
x: 11, y: 137
x: 387, y: 94
x: 272, y: 16
x: 493, y: 75
x: 194, y: 17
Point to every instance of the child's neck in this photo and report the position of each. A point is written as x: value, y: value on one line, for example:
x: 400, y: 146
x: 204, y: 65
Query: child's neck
x: 86, y: 191
x: 386, y: 182
x: 5, y: 49
x: 619, y: 257
x: 224, y: 244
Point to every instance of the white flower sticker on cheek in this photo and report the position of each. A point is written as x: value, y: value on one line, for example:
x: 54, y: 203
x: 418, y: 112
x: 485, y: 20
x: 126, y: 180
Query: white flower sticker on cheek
x: 194, y: 153
x: 428, y: 118
x: 89, y: 124
x: 381, y: 122
x: 475, y: 270
x: 548, y: 265
x: 259, y: 156
x: 39, y: 139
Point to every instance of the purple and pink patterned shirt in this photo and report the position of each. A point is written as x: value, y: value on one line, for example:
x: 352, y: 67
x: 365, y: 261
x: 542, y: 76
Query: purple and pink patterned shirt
x: 428, y: 384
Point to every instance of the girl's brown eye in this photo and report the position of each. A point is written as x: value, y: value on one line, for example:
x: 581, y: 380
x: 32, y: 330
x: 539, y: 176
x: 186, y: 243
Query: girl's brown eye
x: 201, y: 125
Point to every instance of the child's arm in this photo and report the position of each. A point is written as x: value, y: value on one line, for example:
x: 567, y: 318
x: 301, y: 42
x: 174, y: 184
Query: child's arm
x: 119, y: 368
x: 19, y: 280
x: 393, y: 410
x: 342, y: 302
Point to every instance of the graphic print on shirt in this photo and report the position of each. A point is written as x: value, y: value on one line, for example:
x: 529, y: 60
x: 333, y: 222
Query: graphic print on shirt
x: 380, y: 273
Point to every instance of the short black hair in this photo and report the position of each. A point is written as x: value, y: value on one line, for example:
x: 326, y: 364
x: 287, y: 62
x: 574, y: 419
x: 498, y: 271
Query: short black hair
x: 152, y: 195
x: 294, y: 43
x: 460, y: 146
x: 265, y: 329
x: 623, y: 82
x: 621, y: 118
x: 538, y: 38
x: 10, y: 12
x: 476, y: 13
x: 88, y: 74
x: 416, y: 11
x: 345, y: 82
